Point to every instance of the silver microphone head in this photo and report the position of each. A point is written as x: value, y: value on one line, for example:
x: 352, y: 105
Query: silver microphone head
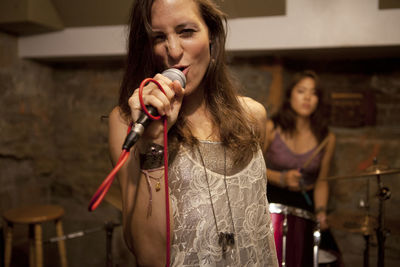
x: 175, y: 74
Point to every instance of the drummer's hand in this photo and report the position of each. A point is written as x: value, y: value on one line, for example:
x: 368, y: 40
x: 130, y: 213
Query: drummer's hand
x: 322, y: 219
x: 167, y: 104
x: 292, y: 178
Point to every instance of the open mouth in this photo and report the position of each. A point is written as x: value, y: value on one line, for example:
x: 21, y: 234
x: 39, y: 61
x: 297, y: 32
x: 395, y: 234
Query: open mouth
x: 184, y: 69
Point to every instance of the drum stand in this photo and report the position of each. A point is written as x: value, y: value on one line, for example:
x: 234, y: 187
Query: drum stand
x: 284, y: 234
x: 109, y: 227
x: 317, y: 240
x: 381, y: 233
x: 383, y: 195
x: 367, y: 234
x: 366, y: 250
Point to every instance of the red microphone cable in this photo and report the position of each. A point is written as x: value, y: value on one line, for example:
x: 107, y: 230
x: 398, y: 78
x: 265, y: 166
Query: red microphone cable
x: 105, y: 185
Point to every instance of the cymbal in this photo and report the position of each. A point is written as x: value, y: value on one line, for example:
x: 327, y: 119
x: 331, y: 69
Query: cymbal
x: 360, y: 223
x: 376, y: 169
x: 354, y: 223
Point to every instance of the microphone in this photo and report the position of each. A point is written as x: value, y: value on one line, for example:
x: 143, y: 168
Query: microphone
x: 143, y: 121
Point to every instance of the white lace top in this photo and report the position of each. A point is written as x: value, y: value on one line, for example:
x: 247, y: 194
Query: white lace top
x: 195, y: 238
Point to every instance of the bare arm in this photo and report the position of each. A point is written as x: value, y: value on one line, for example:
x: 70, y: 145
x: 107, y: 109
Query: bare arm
x: 321, y: 191
x: 145, y: 234
x: 290, y: 178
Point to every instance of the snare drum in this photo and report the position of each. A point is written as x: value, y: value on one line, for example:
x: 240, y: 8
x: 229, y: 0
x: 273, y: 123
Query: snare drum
x: 294, y: 235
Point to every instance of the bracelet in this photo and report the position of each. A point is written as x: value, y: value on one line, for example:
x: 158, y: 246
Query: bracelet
x: 320, y: 209
x: 153, y: 157
x: 282, y: 179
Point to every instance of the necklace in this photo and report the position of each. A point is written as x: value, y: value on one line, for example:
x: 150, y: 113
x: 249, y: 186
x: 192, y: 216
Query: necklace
x: 225, y: 239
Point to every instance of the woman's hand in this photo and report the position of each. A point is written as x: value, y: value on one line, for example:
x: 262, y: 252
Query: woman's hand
x: 322, y: 219
x: 292, y: 180
x: 167, y: 104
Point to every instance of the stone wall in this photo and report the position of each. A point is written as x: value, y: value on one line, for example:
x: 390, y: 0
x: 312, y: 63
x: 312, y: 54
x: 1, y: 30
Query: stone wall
x: 86, y: 93
x: 26, y: 131
x: 53, y: 143
x: 24, y: 128
x: 53, y: 149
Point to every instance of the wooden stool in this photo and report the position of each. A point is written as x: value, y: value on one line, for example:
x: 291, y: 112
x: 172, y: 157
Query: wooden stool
x: 34, y: 216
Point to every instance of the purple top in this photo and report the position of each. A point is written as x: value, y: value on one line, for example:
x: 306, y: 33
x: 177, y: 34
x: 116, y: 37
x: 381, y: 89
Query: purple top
x: 280, y: 157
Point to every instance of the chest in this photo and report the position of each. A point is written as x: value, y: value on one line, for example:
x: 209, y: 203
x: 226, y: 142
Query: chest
x: 300, y: 144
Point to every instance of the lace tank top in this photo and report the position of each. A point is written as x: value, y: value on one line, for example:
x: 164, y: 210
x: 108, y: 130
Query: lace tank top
x: 195, y: 237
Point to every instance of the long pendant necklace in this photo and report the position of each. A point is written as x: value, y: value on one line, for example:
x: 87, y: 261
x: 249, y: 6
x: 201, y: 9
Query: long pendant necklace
x: 225, y: 239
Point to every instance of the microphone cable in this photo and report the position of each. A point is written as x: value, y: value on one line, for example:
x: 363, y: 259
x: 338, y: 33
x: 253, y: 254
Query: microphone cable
x: 106, y: 184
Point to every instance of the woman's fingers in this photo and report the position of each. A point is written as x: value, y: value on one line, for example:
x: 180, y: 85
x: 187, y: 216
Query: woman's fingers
x: 322, y: 219
x: 176, y: 100
x: 153, y: 96
x: 167, y: 102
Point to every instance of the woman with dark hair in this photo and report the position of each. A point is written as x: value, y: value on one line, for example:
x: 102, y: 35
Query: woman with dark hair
x: 217, y: 179
x: 299, y: 151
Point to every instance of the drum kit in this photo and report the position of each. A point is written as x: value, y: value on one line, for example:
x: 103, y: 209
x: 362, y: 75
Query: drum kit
x: 295, y: 226
x: 286, y: 219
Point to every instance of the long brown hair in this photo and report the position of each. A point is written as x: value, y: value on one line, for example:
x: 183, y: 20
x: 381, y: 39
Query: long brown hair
x: 285, y: 118
x: 235, y: 127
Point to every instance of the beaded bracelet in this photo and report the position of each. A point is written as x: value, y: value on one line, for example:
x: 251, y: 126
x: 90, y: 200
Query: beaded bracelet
x: 150, y: 187
x: 153, y: 157
x: 320, y: 209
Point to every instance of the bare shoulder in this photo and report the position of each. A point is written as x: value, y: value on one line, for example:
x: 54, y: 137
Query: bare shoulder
x: 116, y: 114
x: 254, y: 108
x: 117, y: 129
x: 330, y: 145
x: 331, y: 139
x: 270, y: 126
x: 116, y: 117
x: 270, y: 131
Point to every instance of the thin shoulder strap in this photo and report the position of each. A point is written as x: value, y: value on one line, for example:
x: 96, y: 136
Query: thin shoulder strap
x: 316, y: 151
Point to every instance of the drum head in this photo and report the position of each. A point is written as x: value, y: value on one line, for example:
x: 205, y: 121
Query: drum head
x: 278, y: 208
x: 325, y: 257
